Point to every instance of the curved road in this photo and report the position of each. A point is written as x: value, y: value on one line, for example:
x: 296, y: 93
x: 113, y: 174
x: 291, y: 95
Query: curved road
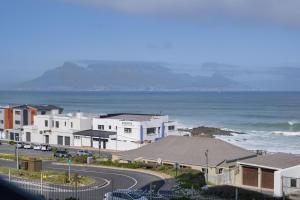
x: 107, y: 179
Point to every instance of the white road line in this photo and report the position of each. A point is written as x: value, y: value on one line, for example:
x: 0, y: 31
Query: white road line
x: 79, y: 170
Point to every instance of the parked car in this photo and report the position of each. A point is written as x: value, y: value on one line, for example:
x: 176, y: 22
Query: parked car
x: 20, y: 145
x: 84, y: 153
x: 37, y: 147
x: 46, y: 147
x: 124, y: 194
x: 28, y: 146
x: 62, y: 154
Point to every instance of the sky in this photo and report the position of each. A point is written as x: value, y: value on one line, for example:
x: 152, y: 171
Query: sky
x: 36, y: 35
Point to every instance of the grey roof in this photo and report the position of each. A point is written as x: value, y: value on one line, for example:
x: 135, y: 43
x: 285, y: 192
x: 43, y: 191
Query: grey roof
x: 39, y: 107
x: 188, y: 150
x: 276, y: 160
x: 130, y: 116
x: 95, y: 133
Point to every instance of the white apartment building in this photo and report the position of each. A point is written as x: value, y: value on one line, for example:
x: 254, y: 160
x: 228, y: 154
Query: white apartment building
x: 133, y: 130
x: 55, y: 128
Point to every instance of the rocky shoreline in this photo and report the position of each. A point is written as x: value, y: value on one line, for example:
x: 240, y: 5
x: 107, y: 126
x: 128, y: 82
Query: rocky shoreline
x: 204, y: 131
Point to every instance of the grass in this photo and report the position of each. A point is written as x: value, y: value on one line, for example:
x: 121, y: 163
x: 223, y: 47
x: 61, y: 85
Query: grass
x: 59, y: 178
x: 10, y: 156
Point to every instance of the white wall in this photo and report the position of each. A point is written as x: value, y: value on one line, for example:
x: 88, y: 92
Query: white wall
x: 122, y: 145
x: 292, y: 172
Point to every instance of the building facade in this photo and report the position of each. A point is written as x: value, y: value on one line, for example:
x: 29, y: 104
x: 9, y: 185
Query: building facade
x: 55, y: 128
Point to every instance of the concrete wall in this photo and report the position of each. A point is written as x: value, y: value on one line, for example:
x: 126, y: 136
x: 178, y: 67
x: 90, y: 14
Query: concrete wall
x: 279, y: 178
x: 2, y: 118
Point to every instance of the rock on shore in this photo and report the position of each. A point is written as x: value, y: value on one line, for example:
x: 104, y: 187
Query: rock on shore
x: 204, y: 131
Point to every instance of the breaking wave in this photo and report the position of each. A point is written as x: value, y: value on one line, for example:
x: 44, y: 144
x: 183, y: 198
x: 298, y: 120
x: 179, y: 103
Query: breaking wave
x: 287, y: 133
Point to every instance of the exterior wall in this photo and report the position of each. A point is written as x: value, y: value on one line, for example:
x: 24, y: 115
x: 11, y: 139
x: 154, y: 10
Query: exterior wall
x: 138, y: 129
x: 17, y: 117
x: 292, y: 172
x: 122, y: 145
x: 2, y: 119
x: 46, y: 125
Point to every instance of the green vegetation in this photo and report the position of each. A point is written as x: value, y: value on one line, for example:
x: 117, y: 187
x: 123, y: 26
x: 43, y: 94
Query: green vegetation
x: 12, y: 142
x: 49, y: 176
x: 191, y: 180
x: 10, y: 156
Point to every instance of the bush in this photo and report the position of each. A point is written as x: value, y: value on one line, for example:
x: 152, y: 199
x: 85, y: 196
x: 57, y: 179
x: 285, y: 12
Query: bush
x: 12, y: 142
x: 80, y: 159
x: 192, y: 180
x: 54, y: 149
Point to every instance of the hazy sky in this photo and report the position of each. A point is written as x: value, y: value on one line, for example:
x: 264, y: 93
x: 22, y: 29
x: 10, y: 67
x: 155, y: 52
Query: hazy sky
x: 36, y: 35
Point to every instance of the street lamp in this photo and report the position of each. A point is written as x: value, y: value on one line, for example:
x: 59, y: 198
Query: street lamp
x: 206, y: 156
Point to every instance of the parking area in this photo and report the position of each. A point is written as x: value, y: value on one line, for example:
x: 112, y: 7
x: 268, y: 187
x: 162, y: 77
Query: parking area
x: 11, y: 149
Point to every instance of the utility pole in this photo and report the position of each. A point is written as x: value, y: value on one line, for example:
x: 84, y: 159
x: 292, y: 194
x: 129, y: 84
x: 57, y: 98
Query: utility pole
x: 99, y: 145
x: 206, y: 156
x: 17, y: 154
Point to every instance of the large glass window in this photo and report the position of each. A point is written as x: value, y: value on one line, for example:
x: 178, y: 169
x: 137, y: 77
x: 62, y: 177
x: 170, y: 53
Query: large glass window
x: 100, y: 127
x: 151, y: 131
x: 46, y: 123
x: 127, y: 130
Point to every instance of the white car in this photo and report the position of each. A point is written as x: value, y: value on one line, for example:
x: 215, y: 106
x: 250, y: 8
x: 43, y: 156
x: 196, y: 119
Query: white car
x: 37, y: 147
x: 124, y: 195
x: 46, y: 147
x: 27, y: 146
x: 20, y: 145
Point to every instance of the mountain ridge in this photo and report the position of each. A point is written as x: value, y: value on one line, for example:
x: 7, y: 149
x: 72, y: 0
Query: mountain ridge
x: 126, y: 76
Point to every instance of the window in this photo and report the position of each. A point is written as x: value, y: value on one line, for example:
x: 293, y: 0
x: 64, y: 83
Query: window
x: 65, y: 124
x: 109, y: 127
x: 220, y: 171
x: 17, y: 122
x: 116, y: 128
x: 67, y: 141
x: 46, y: 123
x: 28, y: 136
x: 293, y: 182
x: 71, y: 124
x: 151, y: 131
x: 127, y: 130
x: 100, y: 127
x: 204, y: 170
x: 171, y: 128
x: 57, y: 124
x: 52, y: 123
x: 77, y: 137
x: 17, y: 112
x: 1, y: 122
x: 60, y: 140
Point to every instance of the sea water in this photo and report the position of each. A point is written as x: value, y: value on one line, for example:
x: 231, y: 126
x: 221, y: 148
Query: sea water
x: 270, y: 120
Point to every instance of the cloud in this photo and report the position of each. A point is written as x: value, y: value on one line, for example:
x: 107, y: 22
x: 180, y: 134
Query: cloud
x: 285, y: 12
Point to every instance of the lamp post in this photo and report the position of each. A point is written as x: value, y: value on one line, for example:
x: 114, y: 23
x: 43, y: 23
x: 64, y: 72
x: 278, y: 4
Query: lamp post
x: 206, y: 156
x: 17, y: 154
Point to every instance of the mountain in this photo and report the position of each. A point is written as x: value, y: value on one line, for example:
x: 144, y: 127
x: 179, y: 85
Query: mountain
x: 118, y: 75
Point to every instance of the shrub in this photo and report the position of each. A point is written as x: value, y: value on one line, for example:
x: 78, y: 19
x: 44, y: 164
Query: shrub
x: 12, y: 142
x: 80, y: 159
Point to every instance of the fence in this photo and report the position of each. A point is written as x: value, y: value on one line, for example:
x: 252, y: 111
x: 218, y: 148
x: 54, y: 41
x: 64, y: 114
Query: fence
x: 48, y: 191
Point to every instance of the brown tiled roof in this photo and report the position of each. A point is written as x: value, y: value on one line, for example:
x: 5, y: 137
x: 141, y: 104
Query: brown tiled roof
x: 188, y: 150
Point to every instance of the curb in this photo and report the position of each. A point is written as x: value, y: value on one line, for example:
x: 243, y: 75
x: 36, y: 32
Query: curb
x: 160, y: 175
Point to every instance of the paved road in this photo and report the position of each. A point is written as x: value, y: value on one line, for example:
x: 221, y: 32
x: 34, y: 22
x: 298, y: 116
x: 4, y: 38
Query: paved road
x: 115, y: 179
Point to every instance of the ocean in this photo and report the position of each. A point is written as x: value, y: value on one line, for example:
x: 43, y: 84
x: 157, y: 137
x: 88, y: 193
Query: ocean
x: 271, y: 120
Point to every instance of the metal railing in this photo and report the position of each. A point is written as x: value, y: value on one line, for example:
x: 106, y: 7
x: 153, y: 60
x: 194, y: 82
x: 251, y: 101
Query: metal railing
x: 40, y: 189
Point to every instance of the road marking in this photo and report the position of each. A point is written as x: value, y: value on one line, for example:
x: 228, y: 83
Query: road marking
x: 79, y: 170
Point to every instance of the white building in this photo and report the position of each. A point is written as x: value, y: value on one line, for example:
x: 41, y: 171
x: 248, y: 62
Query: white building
x: 55, y: 128
x: 278, y: 173
x: 134, y: 130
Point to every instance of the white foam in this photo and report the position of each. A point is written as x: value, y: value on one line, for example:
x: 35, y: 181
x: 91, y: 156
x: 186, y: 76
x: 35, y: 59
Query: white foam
x: 286, y: 133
